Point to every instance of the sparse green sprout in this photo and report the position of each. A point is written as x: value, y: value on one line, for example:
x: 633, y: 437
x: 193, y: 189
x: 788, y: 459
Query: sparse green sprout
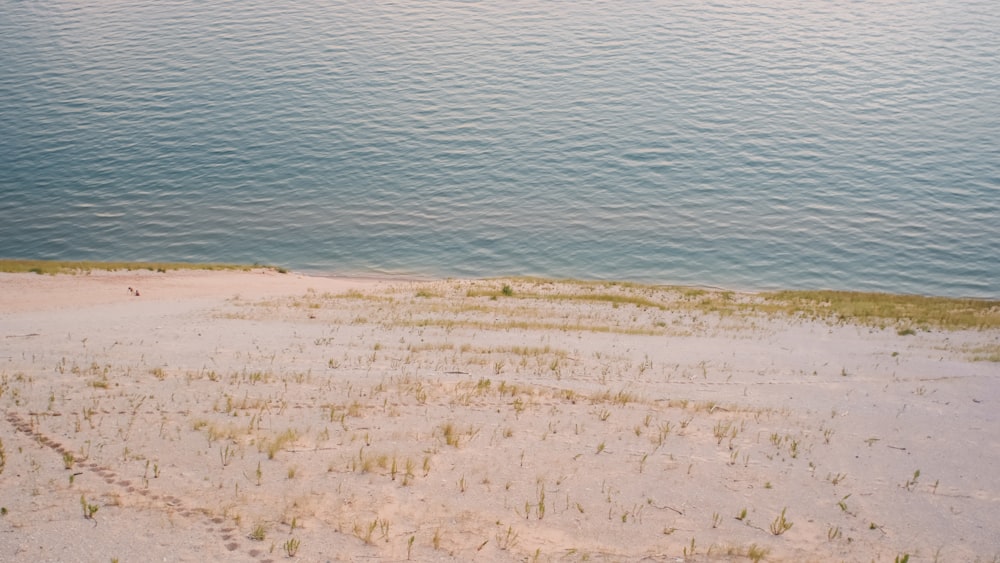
x: 755, y: 553
x: 507, y: 290
x: 258, y: 533
x: 68, y: 460
x: 450, y: 434
x: 780, y: 525
x: 226, y: 454
x: 722, y: 429
x: 742, y: 515
x: 436, y: 539
x: 89, y: 510
x: 291, y: 547
x: 508, y: 539
x: 689, y: 553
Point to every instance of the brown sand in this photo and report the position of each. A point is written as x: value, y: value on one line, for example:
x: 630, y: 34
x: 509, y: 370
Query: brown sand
x: 394, y: 420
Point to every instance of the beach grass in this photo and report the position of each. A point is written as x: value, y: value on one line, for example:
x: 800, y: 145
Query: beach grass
x: 904, y: 312
x: 882, y: 308
x: 53, y: 267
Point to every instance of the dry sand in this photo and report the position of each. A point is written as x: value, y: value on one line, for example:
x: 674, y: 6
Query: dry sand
x: 394, y: 420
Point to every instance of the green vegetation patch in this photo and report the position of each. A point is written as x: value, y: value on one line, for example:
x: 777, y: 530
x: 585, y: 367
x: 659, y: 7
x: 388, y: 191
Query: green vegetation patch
x: 905, y: 312
x: 884, y: 308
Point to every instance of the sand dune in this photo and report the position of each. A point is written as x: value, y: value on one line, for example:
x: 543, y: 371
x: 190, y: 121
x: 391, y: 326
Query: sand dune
x: 248, y: 416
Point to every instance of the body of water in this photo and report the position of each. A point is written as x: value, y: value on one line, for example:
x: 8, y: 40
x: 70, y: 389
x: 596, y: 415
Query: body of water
x: 842, y: 144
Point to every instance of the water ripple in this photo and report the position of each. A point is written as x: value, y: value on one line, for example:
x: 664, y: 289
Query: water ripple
x: 843, y: 145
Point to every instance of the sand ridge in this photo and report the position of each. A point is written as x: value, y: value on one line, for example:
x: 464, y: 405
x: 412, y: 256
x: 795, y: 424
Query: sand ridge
x: 251, y: 415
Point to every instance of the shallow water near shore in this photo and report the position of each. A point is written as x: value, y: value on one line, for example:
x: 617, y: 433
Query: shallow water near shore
x: 833, y: 145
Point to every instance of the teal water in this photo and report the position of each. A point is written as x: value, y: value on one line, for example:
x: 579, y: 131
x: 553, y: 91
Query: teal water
x: 842, y: 144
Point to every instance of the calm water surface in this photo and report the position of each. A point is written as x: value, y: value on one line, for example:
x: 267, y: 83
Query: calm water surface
x: 850, y: 145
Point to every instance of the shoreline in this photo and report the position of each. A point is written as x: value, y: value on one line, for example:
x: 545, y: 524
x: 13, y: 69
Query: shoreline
x: 50, y: 267
x: 12, y: 265
x: 241, y: 415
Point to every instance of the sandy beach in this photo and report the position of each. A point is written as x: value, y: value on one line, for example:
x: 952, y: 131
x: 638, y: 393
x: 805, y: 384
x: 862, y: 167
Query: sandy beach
x: 261, y: 416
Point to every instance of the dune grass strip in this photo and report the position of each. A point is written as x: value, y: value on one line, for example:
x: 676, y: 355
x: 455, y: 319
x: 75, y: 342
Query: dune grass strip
x: 906, y: 312
x: 880, y: 308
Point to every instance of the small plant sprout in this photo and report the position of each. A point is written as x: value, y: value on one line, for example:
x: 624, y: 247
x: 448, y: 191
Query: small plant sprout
x: 716, y: 520
x: 226, y: 455
x: 827, y: 434
x: 742, y: 515
x: 89, y: 510
x: 68, y: 460
x: 780, y: 525
x: 506, y: 540
x: 689, y: 552
x: 722, y: 430
x: 408, y: 474
x: 258, y: 533
x: 755, y: 553
x: 291, y: 547
x: 793, y: 449
x: 436, y: 539
x: 912, y: 482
